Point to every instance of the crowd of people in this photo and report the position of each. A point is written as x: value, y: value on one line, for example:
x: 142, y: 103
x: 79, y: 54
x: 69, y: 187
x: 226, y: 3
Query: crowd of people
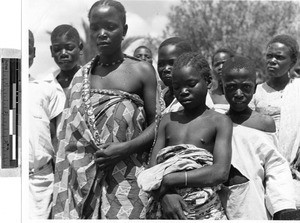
x: 113, y: 139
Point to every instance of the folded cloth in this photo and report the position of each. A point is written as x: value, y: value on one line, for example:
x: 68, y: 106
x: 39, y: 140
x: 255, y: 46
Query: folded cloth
x: 203, y: 203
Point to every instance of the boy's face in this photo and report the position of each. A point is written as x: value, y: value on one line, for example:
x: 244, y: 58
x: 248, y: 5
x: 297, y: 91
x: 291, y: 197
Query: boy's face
x: 278, y: 60
x: 107, y: 29
x: 189, y: 87
x: 166, y: 57
x: 143, y: 54
x: 239, y: 87
x: 66, y: 52
x: 219, y: 60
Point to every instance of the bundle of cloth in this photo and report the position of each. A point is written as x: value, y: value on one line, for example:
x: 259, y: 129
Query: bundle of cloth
x: 203, y: 203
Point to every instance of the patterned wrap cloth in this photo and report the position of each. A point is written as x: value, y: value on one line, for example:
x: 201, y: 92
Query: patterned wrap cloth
x: 203, y: 203
x: 91, y: 118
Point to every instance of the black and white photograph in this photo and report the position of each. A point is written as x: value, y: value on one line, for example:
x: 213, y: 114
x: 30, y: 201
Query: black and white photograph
x: 151, y: 109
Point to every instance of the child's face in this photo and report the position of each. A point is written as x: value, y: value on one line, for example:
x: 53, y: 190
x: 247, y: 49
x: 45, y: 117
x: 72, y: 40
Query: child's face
x: 107, y: 29
x: 66, y: 52
x: 219, y: 60
x: 166, y: 57
x: 143, y: 54
x: 278, y: 60
x: 189, y: 87
x: 239, y: 87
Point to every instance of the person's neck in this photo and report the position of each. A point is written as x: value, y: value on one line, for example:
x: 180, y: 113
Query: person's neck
x: 239, y: 117
x: 108, y: 59
x: 278, y: 83
x: 171, y: 90
x: 193, y: 113
x: 70, y: 73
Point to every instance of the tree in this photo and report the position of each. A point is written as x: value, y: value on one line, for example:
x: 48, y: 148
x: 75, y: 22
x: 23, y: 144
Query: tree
x: 243, y: 26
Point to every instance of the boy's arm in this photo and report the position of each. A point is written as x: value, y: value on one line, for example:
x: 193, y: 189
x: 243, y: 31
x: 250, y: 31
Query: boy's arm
x: 209, y: 175
x: 160, y: 141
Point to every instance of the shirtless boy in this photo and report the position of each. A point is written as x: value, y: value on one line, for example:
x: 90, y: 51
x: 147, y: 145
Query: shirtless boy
x: 202, y: 130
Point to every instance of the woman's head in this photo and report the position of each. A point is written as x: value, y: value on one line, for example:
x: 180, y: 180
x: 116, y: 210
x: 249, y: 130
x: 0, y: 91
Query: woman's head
x: 108, y: 25
x: 117, y: 5
x: 281, y: 55
x: 290, y: 42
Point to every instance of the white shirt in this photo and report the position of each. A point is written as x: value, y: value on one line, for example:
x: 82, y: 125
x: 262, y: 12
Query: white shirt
x: 47, y: 101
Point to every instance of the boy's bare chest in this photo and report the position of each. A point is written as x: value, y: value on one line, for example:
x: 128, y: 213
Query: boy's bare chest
x: 198, y: 134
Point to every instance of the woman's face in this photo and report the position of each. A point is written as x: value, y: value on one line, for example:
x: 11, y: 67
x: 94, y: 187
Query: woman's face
x: 278, y: 60
x: 107, y: 29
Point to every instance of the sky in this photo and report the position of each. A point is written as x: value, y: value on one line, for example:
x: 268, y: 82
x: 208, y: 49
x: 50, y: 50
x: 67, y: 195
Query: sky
x: 144, y: 18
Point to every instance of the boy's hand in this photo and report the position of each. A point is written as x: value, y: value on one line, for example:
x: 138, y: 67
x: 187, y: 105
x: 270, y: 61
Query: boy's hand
x: 163, y: 189
x: 173, y: 206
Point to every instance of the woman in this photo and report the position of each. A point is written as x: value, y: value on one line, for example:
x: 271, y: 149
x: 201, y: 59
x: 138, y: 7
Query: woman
x: 112, y: 99
x: 279, y: 97
x: 216, y: 93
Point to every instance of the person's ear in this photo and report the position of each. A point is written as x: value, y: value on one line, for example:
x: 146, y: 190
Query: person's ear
x: 81, y: 46
x: 51, y: 51
x: 125, y: 30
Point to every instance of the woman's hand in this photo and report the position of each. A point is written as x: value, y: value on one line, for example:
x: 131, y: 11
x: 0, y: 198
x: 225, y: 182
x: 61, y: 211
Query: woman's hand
x: 109, y: 154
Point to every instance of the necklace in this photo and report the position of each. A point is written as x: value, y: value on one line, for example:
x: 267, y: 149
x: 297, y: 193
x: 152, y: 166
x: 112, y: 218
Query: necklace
x: 110, y: 64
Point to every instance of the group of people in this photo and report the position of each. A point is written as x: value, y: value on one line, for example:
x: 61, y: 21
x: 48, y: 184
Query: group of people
x: 113, y: 140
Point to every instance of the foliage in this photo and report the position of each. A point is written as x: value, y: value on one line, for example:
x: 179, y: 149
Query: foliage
x: 243, y: 26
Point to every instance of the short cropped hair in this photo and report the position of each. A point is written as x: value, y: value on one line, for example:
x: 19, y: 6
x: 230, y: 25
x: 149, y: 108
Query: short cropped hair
x: 178, y: 42
x: 222, y: 50
x: 65, y: 30
x: 290, y: 42
x: 195, y: 60
x: 117, y: 5
x: 238, y: 62
x: 142, y: 47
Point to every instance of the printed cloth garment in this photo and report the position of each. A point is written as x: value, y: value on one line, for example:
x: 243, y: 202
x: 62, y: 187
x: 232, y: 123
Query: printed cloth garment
x: 93, y: 117
x: 204, y: 203
x: 269, y: 188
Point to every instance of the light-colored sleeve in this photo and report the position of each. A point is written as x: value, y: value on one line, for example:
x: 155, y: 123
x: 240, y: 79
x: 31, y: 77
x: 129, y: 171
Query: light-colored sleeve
x: 56, y: 101
x: 278, y: 180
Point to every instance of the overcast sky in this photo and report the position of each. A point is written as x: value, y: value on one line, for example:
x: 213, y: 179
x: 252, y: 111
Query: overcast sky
x: 144, y: 17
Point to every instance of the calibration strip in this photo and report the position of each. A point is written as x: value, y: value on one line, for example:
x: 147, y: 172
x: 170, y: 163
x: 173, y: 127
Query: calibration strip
x: 11, y: 111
